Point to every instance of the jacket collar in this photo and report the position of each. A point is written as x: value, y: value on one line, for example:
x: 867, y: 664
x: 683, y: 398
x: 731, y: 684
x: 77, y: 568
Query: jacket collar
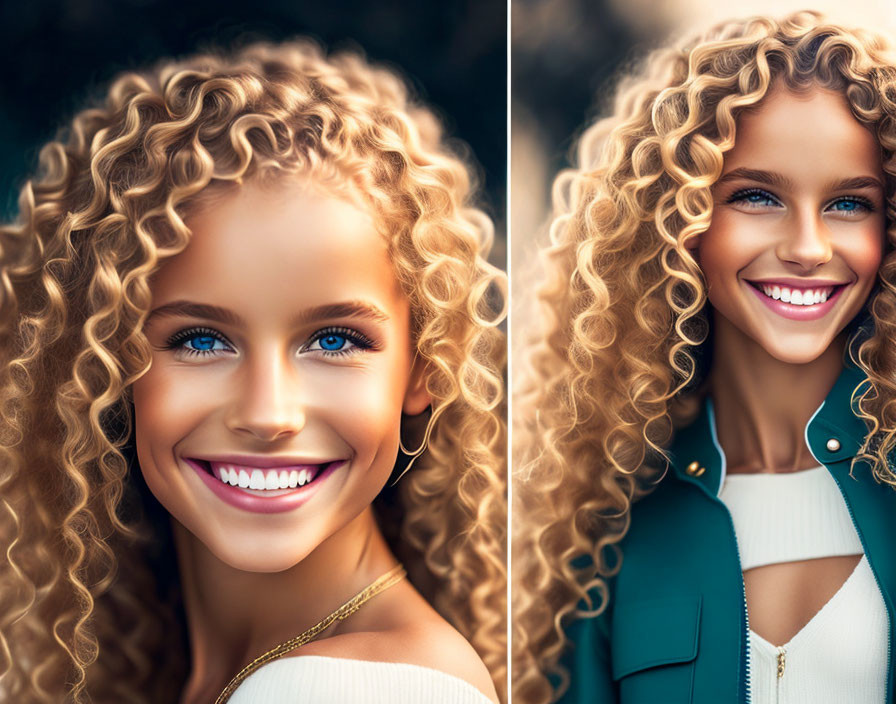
x: 834, y: 432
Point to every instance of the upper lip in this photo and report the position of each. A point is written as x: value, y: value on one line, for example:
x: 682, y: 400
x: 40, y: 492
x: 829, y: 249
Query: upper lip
x: 266, y: 461
x: 797, y: 283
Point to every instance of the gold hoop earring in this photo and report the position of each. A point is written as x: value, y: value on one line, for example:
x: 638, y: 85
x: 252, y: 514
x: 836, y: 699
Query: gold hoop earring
x: 412, y: 456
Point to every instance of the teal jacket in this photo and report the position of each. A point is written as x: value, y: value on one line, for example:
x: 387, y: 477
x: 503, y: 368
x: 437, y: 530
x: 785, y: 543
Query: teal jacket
x: 675, y: 630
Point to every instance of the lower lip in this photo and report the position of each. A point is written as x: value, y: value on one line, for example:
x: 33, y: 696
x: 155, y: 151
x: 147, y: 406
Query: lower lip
x: 279, y: 503
x: 788, y: 310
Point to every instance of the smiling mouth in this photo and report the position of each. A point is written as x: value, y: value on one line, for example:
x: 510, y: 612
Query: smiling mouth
x: 265, y: 479
x: 795, y: 296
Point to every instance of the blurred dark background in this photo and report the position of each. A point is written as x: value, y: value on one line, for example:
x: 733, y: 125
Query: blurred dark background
x: 58, y: 54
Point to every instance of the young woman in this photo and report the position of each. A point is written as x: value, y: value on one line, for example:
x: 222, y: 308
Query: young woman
x: 235, y: 290
x: 705, y: 497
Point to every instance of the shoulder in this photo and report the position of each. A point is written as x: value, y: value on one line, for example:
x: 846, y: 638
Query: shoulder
x: 405, y: 629
x: 327, y: 680
x: 430, y: 645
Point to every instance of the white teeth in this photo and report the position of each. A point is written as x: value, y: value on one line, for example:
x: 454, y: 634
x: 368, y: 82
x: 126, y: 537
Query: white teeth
x: 261, y: 479
x: 797, y: 297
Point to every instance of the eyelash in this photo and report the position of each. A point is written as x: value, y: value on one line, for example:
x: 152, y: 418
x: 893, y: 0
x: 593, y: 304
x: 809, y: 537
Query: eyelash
x: 177, y: 341
x: 359, y: 341
x: 743, y: 194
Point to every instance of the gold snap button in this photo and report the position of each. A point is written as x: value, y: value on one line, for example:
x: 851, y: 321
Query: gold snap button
x: 695, y: 470
x: 833, y: 445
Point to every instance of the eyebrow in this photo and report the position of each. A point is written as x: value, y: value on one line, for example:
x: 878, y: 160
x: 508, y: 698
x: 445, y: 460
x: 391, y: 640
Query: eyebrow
x: 347, y: 309
x: 188, y: 309
x: 857, y: 183
x: 773, y: 178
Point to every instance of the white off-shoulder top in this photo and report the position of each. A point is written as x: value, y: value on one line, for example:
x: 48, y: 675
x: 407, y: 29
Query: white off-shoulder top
x: 313, y: 679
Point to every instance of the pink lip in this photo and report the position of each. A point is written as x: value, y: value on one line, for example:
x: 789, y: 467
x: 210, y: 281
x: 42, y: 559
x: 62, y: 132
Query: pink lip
x: 288, y: 500
x: 788, y: 310
x: 799, y: 283
x: 266, y: 461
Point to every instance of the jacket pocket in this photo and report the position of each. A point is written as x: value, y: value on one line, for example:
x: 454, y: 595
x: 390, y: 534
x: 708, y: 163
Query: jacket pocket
x: 654, y: 649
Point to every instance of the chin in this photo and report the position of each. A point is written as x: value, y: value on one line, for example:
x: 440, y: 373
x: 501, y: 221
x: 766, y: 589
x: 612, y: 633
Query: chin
x: 795, y: 353
x: 255, y: 556
x: 260, y: 561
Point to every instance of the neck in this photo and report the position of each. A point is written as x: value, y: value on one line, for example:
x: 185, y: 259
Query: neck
x: 233, y: 616
x: 762, y: 405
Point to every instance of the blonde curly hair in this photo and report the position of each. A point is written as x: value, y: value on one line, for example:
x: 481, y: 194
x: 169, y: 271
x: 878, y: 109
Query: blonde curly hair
x: 619, y: 358
x: 90, y: 607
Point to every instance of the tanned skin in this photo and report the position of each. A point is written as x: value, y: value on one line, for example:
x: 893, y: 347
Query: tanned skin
x: 800, y: 199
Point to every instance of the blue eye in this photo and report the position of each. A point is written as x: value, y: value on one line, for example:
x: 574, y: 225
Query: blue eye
x: 338, y: 341
x: 754, y: 198
x: 204, y: 343
x: 850, y: 206
x: 198, y: 341
x: 331, y: 343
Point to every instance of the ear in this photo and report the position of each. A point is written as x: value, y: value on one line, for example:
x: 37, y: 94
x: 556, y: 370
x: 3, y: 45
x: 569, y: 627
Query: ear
x: 416, y: 397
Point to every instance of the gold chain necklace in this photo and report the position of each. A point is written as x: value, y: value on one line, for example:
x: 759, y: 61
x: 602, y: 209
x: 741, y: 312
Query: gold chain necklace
x: 393, y: 576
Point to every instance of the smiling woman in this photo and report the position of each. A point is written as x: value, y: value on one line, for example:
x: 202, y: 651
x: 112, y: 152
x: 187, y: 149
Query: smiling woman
x: 705, y: 506
x: 235, y: 291
x: 261, y: 378
x: 796, y: 237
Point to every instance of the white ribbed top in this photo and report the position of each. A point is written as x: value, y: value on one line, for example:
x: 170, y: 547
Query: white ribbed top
x: 787, y: 517
x: 841, y: 654
x: 313, y: 679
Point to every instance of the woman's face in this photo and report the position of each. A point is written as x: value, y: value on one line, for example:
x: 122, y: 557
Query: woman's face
x: 798, y: 224
x: 281, y: 364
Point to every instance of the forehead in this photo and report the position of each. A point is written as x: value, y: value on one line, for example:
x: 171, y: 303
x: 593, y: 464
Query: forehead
x: 273, y: 245
x: 808, y: 134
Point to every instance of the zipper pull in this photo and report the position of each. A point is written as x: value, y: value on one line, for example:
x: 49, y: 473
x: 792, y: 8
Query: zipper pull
x: 781, y: 662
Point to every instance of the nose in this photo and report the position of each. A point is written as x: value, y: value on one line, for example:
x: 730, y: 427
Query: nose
x: 807, y: 243
x: 268, y: 401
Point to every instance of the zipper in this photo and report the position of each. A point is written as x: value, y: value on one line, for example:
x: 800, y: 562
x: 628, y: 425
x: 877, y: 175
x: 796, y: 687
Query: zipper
x: 748, y: 685
x: 782, y: 663
x: 743, y: 590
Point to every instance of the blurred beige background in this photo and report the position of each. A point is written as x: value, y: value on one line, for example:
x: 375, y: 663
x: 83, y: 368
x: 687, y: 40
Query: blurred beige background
x: 565, y: 58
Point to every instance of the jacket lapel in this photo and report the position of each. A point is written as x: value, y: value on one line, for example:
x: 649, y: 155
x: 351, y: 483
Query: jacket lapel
x: 834, y: 435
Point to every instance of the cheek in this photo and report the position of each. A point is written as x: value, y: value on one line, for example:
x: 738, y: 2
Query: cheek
x: 365, y: 408
x: 864, y: 254
x: 164, y: 410
x: 722, y: 250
